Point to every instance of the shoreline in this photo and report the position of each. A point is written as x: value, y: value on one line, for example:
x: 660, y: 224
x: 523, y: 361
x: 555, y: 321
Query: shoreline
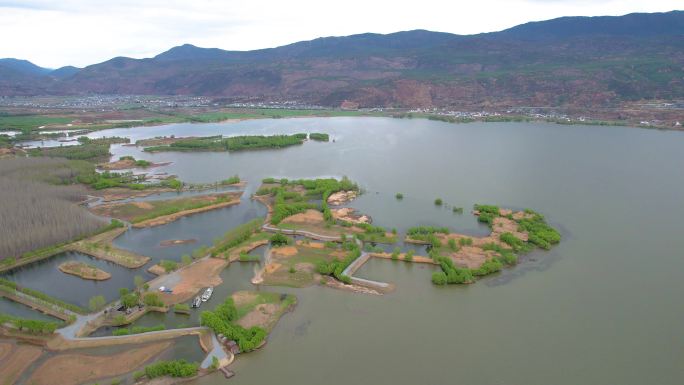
x: 166, y: 219
x: 77, y: 269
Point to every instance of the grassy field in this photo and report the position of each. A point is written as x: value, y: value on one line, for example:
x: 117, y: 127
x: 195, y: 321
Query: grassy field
x: 136, y: 212
x: 263, y: 309
x: 30, y: 122
x: 294, y: 266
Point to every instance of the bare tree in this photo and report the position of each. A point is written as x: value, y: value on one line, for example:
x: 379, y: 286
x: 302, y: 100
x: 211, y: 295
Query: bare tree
x: 34, y: 212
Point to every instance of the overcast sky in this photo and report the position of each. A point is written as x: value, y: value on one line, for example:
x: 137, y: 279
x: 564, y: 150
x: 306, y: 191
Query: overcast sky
x: 54, y: 33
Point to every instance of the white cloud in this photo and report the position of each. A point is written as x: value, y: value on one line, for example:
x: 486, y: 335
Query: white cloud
x: 82, y: 32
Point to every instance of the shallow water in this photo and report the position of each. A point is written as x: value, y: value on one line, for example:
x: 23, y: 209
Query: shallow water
x: 603, y: 307
x: 18, y: 310
x: 45, y: 276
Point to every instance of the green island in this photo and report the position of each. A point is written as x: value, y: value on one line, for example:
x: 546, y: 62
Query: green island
x: 233, y: 143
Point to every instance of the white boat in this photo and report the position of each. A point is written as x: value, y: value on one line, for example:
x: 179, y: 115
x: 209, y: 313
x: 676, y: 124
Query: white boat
x: 207, y: 294
x: 197, y: 302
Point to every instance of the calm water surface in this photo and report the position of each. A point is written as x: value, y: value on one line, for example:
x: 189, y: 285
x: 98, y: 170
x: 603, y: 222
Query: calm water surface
x: 604, y: 307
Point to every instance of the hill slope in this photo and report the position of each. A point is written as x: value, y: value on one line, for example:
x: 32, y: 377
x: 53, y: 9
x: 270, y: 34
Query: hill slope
x: 572, y: 61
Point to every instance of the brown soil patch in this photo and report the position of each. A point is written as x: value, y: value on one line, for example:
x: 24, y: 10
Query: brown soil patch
x: 285, y: 251
x: 471, y: 257
x: 505, y: 225
x: 347, y: 214
x: 242, y: 297
x: 271, y: 268
x: 305, y: 266
x: 339, y: 254
x: 260, y: 316
x: 156, y: 270
x: 20, y: 358
x: 5, y: 348
x: 312, y: 245
x: 118, y: 165
x: 341, y: 197
x: 73, y: 369
x: 143, y: 205
x: 193, y: 278
x: 84, y: 271
x: 308, y: 217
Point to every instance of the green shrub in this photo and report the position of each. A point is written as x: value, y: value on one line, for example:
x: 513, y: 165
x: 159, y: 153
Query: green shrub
x: 280, y: 239
x: 152, y: 299
x: 516, y: 244
x: 221, y: 321
x: 439, y: 278
x: 539, y: 233
x: 465, y: 241
x: 168, y: 266
x: 438, y: 202
x: 232, y: 180
x: 178, y: 368
x: 319, y: 137
x: 399, y: 196
x: 490, y: 266
x: 453, y: 274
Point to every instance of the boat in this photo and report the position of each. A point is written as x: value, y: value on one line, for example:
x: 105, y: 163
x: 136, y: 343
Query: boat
x: 207, y: 294
x: 197, y: 302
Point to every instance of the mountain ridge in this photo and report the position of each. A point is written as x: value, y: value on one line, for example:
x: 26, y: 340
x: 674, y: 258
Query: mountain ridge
x: 571, y: 60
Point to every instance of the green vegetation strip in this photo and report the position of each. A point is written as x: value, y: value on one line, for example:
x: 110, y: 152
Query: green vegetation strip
x: 138, y: 330
x: 178, y: 368
x: 236, y: 236
x: 29, y: 325
x: 174, y: 206
x: 13, y: 288
x: 235, y: 143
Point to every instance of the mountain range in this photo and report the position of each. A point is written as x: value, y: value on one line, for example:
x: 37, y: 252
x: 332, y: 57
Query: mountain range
x: 569, y: 61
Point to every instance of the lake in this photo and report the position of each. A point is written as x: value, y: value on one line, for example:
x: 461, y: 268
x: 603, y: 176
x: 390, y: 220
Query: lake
x: 603, y: 307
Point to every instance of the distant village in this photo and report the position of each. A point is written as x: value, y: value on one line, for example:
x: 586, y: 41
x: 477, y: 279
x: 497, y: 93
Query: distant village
x: 653, y: 114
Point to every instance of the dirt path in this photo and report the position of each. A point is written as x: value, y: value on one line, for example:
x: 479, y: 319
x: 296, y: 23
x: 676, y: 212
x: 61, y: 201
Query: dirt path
x: 73, y: 369
x: 20, y: 358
